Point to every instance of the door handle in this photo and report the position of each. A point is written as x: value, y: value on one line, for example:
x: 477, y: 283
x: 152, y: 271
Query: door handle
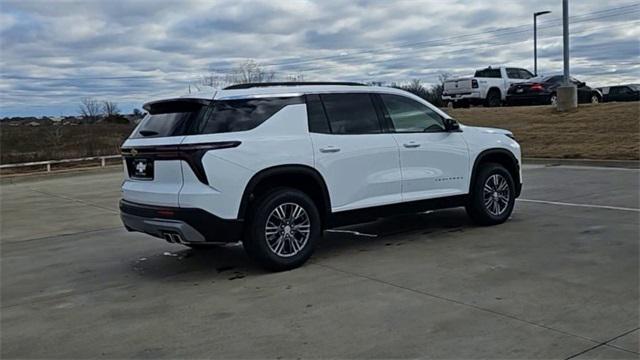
x: 411, y: 144
x: 329, y: 149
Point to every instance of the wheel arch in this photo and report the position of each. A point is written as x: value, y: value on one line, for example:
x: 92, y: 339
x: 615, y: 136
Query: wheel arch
x: 501, y: 156
x: 494, y: 89
x: 301, y: 177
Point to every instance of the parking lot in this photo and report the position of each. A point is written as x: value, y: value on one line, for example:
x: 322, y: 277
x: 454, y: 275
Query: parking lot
x: 560, y: 279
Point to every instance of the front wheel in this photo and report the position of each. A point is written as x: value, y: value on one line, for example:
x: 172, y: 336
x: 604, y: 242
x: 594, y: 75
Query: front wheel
x: 492, y: 195
x: 595, y: 99
x: 283, y: 229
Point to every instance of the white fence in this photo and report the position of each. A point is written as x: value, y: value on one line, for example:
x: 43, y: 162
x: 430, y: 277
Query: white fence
x: 47, y: 164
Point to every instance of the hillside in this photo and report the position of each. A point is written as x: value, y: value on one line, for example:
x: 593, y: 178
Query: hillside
x: 601, y: 131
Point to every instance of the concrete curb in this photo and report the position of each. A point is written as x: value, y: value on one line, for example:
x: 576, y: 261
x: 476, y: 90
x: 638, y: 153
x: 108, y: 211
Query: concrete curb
x: 627, y: 164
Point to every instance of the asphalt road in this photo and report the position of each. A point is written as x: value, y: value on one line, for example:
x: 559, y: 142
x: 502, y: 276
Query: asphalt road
x: 559, y: 280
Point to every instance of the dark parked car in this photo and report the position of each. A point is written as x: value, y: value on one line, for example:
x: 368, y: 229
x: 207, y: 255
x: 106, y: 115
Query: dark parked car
x: 621, y: 93
x: 538, y: 91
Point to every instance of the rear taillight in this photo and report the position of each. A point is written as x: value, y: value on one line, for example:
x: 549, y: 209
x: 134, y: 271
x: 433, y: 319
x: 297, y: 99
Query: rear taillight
x: 474, y: 83
x: 537, y: 87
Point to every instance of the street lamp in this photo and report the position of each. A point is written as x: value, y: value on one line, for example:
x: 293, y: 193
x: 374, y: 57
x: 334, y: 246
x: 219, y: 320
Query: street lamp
x: 535, y: 40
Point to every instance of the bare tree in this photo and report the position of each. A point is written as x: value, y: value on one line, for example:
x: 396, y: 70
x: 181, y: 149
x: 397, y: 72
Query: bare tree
x: 110, y: 109
x: 90, y: 109
x: 248, y: 72
x: 56, y: 135
x: 252, y: 72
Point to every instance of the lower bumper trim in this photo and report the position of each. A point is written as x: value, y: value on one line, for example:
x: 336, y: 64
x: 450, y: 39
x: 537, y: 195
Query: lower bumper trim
x: 181, y: 225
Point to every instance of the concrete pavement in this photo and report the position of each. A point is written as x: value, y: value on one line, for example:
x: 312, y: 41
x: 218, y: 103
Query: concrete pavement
x: 555, y: 281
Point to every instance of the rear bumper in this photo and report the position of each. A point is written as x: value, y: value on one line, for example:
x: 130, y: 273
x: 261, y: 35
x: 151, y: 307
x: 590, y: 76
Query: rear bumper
x: 181, y: 225
x: 473, y: 98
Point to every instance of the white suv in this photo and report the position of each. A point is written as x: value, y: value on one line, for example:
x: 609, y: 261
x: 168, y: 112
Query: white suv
x: 274, y: 164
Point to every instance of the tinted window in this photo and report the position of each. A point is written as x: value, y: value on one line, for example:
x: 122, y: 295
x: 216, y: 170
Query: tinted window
x: 553, y: 79
x: 488, y: 73
x: 615, y: 90
x: 525, y: 74
x: 170, y: 118
x: 318, y: 122
x: 240, y: 115
x: 408, y: 115
x: 514, y: 73
x: 351, y: 114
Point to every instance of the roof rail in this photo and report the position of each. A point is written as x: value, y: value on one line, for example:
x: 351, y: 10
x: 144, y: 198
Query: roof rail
x: 290, y: 83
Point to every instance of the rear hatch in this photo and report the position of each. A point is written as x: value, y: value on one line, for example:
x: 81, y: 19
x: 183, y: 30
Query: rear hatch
x: 152, y: 168
x: 458, y: 86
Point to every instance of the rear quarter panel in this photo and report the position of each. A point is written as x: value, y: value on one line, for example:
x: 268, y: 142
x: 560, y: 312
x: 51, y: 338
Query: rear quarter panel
x: 283, y: 139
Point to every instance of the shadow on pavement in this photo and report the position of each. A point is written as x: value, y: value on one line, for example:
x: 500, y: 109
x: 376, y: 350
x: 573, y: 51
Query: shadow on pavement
x: 231, y: 262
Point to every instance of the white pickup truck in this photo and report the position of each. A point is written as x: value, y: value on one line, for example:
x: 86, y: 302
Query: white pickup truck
x: 487, y: 87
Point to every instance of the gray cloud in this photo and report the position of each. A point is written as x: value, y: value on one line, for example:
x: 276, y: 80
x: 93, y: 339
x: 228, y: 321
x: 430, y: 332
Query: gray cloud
x: 54, y: 53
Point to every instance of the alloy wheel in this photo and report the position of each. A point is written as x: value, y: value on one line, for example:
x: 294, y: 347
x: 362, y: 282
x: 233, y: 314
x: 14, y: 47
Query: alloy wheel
x: 496, y: 194
x: 287, y: 230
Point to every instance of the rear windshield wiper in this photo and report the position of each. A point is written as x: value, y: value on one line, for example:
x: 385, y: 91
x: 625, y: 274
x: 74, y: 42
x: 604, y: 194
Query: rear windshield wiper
x: 148, y: 132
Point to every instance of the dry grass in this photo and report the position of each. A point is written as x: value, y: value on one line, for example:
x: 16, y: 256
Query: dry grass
x: 52, y: 142
x: 602, y: 131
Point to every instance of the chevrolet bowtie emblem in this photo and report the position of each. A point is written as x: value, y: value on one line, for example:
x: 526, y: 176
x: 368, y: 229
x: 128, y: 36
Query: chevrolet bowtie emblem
x: 134, y: 152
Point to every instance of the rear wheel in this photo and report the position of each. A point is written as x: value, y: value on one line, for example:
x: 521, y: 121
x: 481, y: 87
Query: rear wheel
x: 553, y: 99
x: 492, y: 195
x: 493, y: 99
x: 283, y: 229
x: 595, y: 99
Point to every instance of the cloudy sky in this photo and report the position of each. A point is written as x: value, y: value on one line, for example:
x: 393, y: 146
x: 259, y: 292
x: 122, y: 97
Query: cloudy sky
x: 53, y: 53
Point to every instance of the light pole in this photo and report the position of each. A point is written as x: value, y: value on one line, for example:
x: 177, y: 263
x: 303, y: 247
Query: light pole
x: 567, y: 93
x: 535, y: 40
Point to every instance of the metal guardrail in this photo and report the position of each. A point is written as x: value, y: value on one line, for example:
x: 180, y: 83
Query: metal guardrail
x: 48, y: 163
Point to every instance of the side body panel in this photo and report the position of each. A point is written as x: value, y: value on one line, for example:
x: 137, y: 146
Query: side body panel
x: 433, y: 164
x: 359, y: 170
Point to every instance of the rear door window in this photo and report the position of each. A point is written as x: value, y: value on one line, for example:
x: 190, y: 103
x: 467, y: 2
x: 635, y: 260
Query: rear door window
x: 351, y: 113
x: 241, y: 114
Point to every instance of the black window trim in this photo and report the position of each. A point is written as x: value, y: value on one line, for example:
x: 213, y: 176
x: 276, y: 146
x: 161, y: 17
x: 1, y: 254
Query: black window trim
x: 389, y: 122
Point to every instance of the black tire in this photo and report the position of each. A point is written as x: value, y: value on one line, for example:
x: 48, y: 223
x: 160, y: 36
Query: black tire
x: 256, y: 241
x: 493, y: 99
x: 595, y: 98
x: 478, y: 209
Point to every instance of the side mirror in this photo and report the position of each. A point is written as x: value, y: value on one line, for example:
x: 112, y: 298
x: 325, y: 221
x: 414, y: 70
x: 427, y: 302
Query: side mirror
x: 451, y: 124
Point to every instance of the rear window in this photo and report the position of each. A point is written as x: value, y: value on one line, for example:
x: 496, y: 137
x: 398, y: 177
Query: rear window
x: 189, y: 117
x: 170, y: 118
x: 488, y: 73
x: 553, y: 79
